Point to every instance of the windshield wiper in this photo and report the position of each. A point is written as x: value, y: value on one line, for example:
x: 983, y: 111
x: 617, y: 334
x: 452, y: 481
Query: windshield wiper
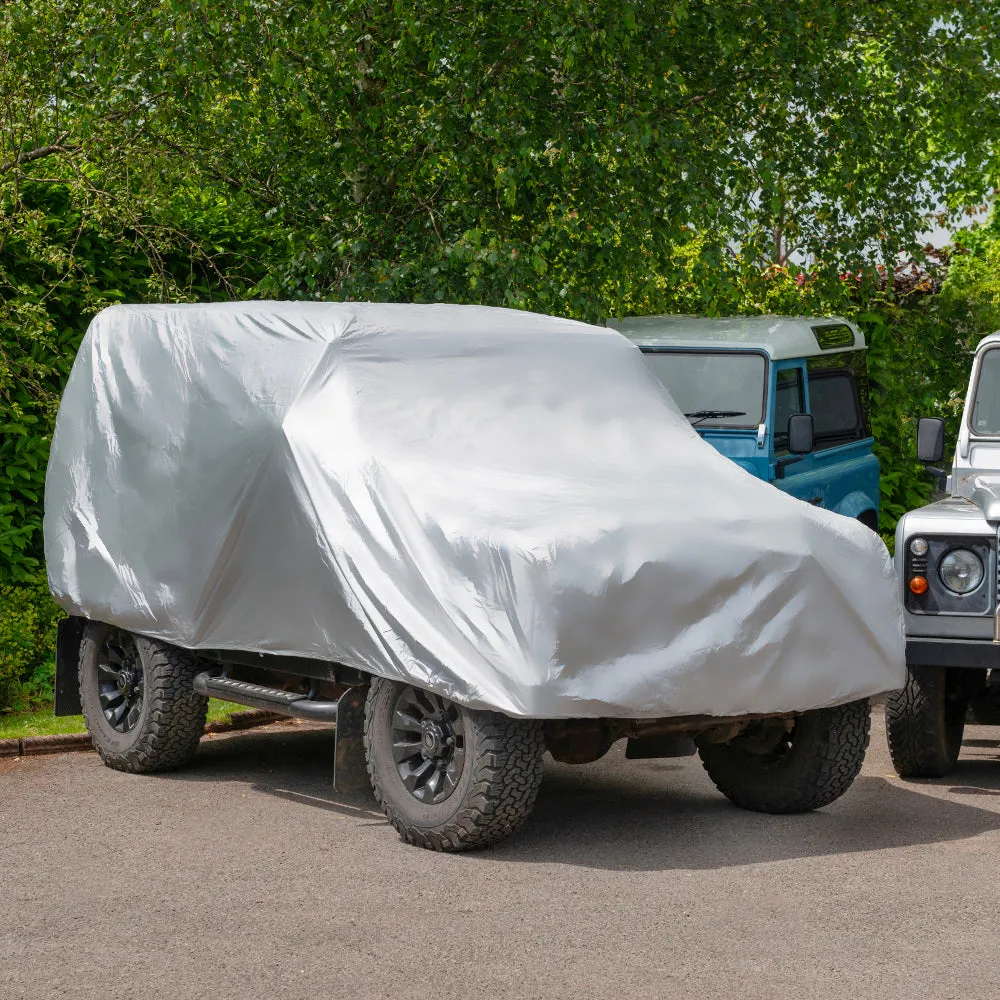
x: 699, y: 415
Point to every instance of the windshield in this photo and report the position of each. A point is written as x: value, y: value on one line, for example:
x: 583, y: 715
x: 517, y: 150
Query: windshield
x: 706, y: 385
x: 985, y: 416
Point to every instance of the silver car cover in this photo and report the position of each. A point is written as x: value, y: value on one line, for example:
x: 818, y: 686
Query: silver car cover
x: 504, y: 508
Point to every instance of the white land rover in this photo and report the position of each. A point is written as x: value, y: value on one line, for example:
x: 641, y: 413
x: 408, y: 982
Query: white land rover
x: 946, y: 559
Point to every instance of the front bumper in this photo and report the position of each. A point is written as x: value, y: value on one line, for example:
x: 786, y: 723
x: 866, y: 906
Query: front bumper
x: 971, y: 653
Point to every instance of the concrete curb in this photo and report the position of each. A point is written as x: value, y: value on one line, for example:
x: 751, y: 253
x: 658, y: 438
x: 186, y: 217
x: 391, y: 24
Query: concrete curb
x: 245, y: 720
x: 31, y: 746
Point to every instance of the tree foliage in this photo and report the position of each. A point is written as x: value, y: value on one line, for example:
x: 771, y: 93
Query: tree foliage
x: 920, y: 361
x: 28, y: 618
x: 552, y: 156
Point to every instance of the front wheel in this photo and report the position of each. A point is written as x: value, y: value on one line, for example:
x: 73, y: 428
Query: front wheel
x: 925, y: 721
x: 138, y: 700
x: 448, y: 777
x: 791, y: 766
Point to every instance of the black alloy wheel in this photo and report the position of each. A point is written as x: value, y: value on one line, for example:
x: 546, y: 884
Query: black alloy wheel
x: 448, y: 777
x: 121, y: 681
x: 138, y: 699
x: 428, y: 744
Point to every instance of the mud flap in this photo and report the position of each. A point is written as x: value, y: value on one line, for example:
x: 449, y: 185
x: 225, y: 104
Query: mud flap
x: 69, y: 632
x: 350, y: 771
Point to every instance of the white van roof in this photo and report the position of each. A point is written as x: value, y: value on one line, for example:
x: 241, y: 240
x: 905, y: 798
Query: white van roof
x: 988, y: 341
x: 780, y: 337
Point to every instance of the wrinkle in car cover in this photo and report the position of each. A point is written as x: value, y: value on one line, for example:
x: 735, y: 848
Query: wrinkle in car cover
x: 504, y: 508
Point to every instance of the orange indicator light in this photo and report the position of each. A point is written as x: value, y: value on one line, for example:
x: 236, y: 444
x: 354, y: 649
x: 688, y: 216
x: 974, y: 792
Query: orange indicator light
x: 918, y: 585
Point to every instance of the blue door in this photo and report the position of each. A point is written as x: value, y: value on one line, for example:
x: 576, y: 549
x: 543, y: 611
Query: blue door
x: 841, y: 474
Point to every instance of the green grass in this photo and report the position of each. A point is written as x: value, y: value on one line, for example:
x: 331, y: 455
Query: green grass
x: 41, y: 723
x: 44, y: 723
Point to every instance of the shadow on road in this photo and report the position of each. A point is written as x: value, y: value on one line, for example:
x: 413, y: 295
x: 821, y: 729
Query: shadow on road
x: 640, y: 815
x: 283, y: 761
x: 609, y: 821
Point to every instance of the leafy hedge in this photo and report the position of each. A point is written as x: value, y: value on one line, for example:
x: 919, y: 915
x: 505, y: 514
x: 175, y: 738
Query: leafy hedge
x: 28, y: 619
x: 919, y: 363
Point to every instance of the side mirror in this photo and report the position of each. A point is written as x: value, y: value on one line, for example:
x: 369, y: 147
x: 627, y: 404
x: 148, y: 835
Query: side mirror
x: 930, y: 440
x: 800, y: 434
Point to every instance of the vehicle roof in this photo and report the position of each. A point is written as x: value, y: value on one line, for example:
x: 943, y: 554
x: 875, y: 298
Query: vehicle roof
x: 989, y: 340
x: 780, y: 337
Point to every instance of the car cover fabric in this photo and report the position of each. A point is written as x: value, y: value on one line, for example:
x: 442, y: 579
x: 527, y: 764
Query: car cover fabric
x: 503, y: 508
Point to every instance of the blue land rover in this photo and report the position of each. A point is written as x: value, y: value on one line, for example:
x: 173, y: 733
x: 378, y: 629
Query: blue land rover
x: 784, y: 397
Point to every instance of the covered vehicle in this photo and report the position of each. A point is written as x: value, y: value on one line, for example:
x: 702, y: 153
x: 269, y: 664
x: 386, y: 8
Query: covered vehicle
x: 498, y: 523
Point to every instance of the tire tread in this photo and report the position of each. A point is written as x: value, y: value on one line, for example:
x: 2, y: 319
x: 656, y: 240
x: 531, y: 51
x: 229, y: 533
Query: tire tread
x: 507, y: 761
x: 915, y: 725
x: 827, y: 766
x: 174, y: 720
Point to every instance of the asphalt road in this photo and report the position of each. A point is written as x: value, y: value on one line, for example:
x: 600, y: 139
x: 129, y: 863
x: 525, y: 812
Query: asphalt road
x: 245, y: 876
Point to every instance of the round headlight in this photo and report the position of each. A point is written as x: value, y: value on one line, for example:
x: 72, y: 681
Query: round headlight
x: 919, y: 546
x: 961, y: 571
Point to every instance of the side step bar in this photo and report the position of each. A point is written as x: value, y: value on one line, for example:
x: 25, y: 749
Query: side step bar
x: 348, y: 712
x: 299, y: 706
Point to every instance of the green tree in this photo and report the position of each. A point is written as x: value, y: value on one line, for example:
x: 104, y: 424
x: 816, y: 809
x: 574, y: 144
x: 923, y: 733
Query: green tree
x: 552, y: 155
x: 558, y: 156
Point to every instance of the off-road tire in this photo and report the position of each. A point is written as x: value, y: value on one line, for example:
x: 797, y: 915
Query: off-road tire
x: 172, y: 717
x: 924, y: 722
x: 494, y: 794
x: 826, y: 751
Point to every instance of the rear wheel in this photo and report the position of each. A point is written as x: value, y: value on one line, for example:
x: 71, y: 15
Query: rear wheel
x: 793, y: 766
x: 138, y: 700
x: 924, y: 722
x: 448, y: 777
